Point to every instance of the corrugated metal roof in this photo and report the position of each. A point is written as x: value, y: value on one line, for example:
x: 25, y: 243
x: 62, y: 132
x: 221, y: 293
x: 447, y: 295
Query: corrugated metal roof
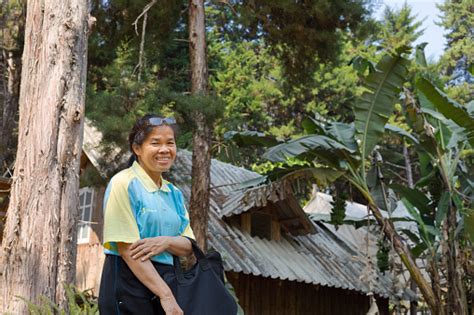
x: 321, y: 258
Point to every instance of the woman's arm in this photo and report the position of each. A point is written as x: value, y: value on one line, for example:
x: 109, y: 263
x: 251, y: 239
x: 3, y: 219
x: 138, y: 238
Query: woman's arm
x: 147, y: 274
x: 149, y: 247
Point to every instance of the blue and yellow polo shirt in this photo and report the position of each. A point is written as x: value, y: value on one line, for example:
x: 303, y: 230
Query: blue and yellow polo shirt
x: 136, y: 208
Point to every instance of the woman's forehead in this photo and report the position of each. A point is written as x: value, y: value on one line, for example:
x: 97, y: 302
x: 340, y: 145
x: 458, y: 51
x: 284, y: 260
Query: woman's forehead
x: 161, y: 132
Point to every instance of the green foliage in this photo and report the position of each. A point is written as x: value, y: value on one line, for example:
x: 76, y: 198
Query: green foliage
x: 457, y: 19
x: 399, y: 28
x: 211, y: 106
x: 115, y: 25
x: 297, y: 32
x: 79, y: 303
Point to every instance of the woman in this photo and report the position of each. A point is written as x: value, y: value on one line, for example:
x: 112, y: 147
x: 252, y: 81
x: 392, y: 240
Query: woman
x: 145, y: 223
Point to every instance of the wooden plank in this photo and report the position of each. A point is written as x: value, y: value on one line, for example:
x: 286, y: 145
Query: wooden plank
x: 288, y: 221
x: 275, y: 230
x: 246, y: 222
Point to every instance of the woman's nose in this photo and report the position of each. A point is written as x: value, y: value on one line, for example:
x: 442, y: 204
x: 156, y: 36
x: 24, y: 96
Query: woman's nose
x: 163, y: 148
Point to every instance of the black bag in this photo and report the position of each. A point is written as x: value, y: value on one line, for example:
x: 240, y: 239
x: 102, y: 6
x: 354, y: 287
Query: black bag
x: 201, y: 290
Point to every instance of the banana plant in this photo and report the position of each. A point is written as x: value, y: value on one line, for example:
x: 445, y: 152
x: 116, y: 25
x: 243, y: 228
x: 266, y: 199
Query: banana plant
x: 345, y: 148
x: 442, y: 131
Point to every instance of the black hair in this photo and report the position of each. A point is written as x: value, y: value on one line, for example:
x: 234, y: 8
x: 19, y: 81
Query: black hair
x: 141, y: 130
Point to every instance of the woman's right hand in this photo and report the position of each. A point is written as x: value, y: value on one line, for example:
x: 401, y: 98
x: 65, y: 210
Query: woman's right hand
x: 170, y: 306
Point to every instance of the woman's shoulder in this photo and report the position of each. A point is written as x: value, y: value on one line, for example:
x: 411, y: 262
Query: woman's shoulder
x: 122, y: 178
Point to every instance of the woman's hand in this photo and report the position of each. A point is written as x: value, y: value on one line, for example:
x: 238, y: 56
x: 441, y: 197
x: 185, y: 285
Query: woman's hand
x: 149, y: 247
x: 170, y: 306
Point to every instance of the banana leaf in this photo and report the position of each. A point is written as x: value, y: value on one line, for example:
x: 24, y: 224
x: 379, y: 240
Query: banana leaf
x: 313, y: 126
x: 243, y: 138
x: 341, y: 132
x: 401, y: 132
x: 311, y: 147
x: 448, y: 107
x: 375, y: 105
x: 323, y: 176
x: 417, y: 198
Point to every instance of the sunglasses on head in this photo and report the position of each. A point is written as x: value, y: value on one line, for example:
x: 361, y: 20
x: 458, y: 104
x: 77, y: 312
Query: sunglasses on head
x: 158, y: 121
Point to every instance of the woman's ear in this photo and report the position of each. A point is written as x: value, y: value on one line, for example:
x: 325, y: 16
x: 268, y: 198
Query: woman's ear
x: 136, y: 149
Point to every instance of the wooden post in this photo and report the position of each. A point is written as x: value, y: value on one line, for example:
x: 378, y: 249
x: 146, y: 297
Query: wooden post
x: 246, y: 222
x: 275, y: 230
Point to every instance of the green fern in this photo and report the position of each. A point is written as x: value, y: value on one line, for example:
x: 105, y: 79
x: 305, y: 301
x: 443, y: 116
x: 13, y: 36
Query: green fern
x: 80, y: 303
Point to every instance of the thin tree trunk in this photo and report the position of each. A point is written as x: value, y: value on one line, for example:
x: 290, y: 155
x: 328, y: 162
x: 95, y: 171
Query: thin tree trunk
x: 406, y: 257
x: 39, y: 243
x: 411, y: 184
x: 199, y: 204
x: 457, y: 300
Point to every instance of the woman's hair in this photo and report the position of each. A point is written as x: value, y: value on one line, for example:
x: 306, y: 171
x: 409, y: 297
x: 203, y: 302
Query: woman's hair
x: 143, y: 127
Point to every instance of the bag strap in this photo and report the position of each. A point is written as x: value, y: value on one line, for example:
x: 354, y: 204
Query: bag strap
x: 200, y: 257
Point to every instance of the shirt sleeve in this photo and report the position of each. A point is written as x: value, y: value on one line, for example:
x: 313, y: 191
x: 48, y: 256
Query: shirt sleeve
x: 188, y: 232
x: 119, y: 221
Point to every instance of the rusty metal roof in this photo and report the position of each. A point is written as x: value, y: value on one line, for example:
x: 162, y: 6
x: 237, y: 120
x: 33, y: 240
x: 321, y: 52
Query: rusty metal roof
x: 321, y: 259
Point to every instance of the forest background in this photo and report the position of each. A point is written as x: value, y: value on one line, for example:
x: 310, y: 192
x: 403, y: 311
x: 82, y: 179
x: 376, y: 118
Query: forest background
x: 271, y: 65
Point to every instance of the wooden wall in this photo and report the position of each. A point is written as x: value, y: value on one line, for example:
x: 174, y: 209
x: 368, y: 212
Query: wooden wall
x: 90, y: 256
x: 266, y: 296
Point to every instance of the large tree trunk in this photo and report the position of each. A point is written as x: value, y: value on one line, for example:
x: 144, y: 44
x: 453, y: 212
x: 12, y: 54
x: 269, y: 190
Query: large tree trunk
x: 13, y: 27
x: 199, y: 204
x: 39, y: 243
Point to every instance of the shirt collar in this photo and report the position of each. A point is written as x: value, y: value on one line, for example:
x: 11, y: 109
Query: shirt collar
x: 146, y: 180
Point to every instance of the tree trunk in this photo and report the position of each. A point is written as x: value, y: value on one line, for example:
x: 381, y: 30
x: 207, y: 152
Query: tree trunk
x: 199, y: 204
x: 407, y: 259
x: 457, y: 300
x: 39, y: 243
x: 409, y: 175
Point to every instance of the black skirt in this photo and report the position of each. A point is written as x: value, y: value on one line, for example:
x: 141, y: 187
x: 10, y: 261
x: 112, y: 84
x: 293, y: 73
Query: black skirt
x: 121, y: 293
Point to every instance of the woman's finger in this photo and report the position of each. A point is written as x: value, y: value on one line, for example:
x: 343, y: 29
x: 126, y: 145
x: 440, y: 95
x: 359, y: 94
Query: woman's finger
x: 147, y: 256
x: 137, y: 243
x: 136, y: 250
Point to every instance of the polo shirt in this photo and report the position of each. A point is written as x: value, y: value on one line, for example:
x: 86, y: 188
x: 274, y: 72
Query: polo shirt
x: 136, y: 208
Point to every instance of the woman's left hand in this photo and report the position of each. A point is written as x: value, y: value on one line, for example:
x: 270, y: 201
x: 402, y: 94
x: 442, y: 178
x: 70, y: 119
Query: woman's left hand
x: 149, y: 247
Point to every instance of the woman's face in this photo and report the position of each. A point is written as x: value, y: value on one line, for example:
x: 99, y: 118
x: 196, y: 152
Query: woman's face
x: 157, y: 152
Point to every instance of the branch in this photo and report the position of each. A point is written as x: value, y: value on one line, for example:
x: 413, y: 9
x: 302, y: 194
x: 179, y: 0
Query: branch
x: 145, y: 10
x: 226, y: 2
x: 144, y: 14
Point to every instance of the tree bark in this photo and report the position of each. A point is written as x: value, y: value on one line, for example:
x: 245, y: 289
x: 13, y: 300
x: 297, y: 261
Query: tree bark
x: 199, y: 204
x: 39, y: 243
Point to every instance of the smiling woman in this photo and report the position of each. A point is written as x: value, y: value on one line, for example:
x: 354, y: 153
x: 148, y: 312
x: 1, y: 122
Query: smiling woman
x: 145, y: 224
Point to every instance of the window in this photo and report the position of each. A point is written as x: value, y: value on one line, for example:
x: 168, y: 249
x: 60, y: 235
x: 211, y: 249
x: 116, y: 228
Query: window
x: 85, y: 214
